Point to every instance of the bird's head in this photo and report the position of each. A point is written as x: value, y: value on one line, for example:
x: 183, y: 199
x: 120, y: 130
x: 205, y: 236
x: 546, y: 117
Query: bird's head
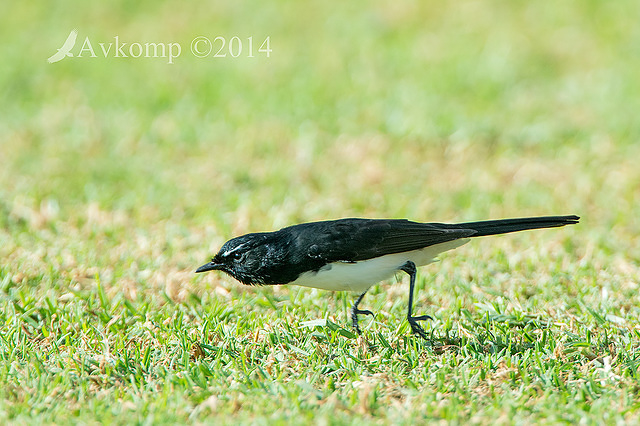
x: 242, y: 258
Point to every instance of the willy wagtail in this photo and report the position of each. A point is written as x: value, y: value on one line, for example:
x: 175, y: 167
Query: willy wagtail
x: 354, y: 254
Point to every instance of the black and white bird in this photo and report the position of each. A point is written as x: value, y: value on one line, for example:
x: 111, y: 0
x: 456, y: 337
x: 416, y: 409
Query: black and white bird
x: 354, y: 254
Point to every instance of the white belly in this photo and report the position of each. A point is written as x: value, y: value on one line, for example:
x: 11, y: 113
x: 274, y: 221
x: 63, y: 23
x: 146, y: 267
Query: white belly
x: 359, y: 276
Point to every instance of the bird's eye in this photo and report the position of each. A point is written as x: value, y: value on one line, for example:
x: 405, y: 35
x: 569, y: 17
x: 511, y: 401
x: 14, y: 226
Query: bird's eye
x: 236, y: 255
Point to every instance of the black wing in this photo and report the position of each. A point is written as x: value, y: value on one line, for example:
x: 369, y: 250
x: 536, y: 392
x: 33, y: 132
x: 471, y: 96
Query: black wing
x: 353, y: 240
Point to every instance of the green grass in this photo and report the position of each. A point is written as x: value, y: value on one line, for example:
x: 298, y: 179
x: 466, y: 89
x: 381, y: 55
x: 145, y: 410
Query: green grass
x: 119, y: 176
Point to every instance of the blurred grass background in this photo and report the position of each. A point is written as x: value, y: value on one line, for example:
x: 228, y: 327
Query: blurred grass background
x: 121, y: 175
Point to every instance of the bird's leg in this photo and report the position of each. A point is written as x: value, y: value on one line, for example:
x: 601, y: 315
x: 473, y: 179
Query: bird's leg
x: 410, y: 268
x: 355, y: 311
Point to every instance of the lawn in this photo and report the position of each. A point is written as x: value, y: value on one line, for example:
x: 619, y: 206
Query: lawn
x: 123, y: 171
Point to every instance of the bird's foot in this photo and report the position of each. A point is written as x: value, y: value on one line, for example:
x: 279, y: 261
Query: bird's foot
x: 354, y: 318
x: 416, y: 328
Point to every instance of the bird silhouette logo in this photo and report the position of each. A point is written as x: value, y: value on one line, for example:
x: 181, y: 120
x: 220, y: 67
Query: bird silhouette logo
x: 65, y: 50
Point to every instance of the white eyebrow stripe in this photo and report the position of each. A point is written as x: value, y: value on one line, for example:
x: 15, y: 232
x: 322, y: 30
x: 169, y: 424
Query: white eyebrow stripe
x: 233, y: 250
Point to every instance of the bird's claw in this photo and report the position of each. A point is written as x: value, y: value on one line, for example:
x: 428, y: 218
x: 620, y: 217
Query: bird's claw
x: 422, y: 318
x: 416, y: 328
x: 354, y: 318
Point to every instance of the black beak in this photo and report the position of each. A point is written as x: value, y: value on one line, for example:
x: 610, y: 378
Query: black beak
x: 208, y: 267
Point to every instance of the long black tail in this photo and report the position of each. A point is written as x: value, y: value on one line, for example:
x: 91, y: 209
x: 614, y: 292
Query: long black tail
x: 503, y: 226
